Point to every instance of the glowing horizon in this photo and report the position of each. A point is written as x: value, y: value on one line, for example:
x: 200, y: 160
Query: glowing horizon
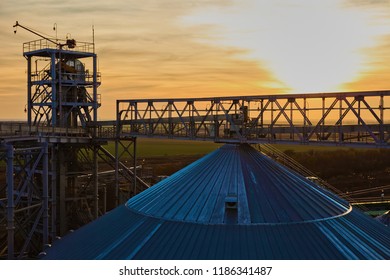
x: 172, y: 48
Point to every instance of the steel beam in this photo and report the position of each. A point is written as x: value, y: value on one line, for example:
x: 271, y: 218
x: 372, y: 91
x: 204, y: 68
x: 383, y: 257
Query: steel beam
x: 10, y: 202
x: 45, y: 194
x: 341, y: 118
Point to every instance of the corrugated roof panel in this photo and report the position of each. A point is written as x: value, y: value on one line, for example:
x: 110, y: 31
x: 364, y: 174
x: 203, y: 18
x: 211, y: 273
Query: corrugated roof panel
x: 234, y: 203
x: 331, y: 239
x: 272, y: 193
x: 384, y: 219
x: 284, y: 190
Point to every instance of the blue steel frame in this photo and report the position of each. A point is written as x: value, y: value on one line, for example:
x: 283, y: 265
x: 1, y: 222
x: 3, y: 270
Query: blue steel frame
x: 25, y: 205
x: 61, y: 94
x: 62, y: 104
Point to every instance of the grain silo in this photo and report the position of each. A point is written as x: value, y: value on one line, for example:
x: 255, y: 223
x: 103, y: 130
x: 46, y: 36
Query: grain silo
x: 234, y: 203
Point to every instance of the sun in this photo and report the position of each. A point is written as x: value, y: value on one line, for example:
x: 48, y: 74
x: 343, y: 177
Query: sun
x: 309, y: 46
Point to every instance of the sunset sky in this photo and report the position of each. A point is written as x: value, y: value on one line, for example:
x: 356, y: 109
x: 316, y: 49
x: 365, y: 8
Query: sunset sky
x: 185, y: 48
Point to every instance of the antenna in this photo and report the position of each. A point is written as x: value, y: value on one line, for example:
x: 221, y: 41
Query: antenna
x: 55, y: 29
x: 93, y: 37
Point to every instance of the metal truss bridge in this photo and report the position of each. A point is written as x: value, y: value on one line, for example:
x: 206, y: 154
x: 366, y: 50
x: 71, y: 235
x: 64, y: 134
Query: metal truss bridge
x: 342, y: 118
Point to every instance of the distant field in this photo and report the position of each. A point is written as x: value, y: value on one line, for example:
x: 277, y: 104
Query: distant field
x: 157, y: 147
x: 304, y: 148
x: 152, y: 147
x: 147, y: 147
x: 161, y: 147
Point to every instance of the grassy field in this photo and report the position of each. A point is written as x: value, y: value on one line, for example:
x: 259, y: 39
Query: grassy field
x: 152, y: 147
x: 305, y: 148
x: 147, y: 147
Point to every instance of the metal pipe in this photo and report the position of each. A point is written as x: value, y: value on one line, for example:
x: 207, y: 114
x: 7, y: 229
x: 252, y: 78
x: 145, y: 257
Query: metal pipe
x: 95, y: 181
x: 54, y: 101
x: 45, y: 195
x: 117, y: 134
x: 28, y: 208
x: 381, y: 128
x: 53, y: 191
x: 359, y: 123
x: 340, y: 126
x: 323, y: 118
x: 29, y: 84
x: 95, y: 101
x: 291, y: 119
x: 304, y: 120
x: 61, y: 120
x: 10, y: 201
x: 62, y: 169
x: 135, y: 164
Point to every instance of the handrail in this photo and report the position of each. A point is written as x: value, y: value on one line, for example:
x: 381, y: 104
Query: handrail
x: 289, y: 162
x: 23, y: 129
x: 47, y: 44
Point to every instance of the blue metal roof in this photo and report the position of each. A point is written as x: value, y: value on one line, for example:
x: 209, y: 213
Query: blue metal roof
x: 384, y: 219
x: 234, y: 203
x: 266, y: 192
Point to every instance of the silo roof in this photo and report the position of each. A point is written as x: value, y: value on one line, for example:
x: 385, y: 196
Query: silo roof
x: 234, y: 203
x: 266, y: 192
x: 384, y: 218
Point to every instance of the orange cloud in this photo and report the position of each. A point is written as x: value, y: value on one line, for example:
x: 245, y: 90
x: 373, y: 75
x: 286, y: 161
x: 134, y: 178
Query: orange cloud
x: 143, y: 48
x: 376, y: 71
x: 174, y: 48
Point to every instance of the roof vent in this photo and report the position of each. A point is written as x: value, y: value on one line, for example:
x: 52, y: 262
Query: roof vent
x: 231, y: 201
x: 231, y: 211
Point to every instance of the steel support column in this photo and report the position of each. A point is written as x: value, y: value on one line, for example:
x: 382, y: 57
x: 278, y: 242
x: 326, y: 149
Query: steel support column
x: 96, y: 181
x: 62, y: 184
x: 45, y: 194
x: 95, y: 86
x: 135, y: 165
x: 53, y: 172
x: 10, y: 202
x: 54, y: 93
x: 381, y: 125
x: 29, y: 96
x: 116, y: 172
x: 117, y: 133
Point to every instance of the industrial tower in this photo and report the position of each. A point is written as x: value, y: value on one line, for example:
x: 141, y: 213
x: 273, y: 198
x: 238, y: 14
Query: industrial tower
x: 52, y: 182
x: 62, y: 90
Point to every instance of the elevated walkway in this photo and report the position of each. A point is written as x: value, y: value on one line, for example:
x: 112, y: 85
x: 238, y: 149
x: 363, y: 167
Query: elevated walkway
x: 358, y: 119
x: 20, y: 131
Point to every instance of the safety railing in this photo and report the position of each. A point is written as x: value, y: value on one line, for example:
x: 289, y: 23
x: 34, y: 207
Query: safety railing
x: 41, y: 44
x: 348, y: 119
